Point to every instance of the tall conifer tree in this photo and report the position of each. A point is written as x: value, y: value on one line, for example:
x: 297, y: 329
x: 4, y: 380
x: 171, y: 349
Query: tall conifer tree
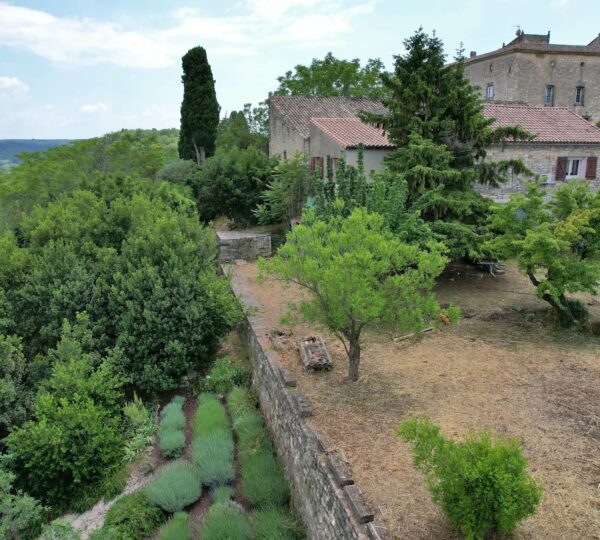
x: 199, y: 109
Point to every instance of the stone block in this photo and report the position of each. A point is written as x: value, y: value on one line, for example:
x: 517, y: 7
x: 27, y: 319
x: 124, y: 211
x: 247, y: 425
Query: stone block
x: 340, y: 468
x: 303, y: 405
x: 361, y: 508
x: 288, y: 377
x: 378, y: 531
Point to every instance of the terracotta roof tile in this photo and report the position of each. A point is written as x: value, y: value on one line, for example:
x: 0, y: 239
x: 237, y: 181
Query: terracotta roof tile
x: 298, y: 110
x: 350, y: 132
x: 549, y: 124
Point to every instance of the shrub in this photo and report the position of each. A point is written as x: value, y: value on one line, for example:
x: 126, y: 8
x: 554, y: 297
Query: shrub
x: 223, y: 494
x: 262, y: 480
x: 226, y: 521
x: 177, y: 528
x: 176, y: 486
x: 22, y: 515
x: 210, y: 416
x: 172, y: 418
x: 240, y: 401
x: 67, y: 449
x: 481, y: 484
x: 131, y: 517
x: 213, y: 456
x: 108, y: 488
x: 276, y: 524
x: 139, y: 428
x: 224, y: 375
x: 60, y: 529
x: 171, y: 443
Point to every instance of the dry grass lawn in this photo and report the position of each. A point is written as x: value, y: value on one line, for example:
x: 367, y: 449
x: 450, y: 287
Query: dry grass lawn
x: 507, y: 368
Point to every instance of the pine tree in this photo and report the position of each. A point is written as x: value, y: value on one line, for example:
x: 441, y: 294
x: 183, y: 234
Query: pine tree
x: 199, y: 109
x: 436, y: 120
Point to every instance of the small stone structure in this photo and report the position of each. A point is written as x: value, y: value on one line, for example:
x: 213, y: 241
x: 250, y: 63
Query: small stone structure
x: 314, y: 354
x: 243, y: 245
x: 324, y: 493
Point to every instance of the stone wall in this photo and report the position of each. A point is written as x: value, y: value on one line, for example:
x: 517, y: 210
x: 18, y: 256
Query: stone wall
x: 324, y: 494
x: 541, y: 159
x: 284, y: 142
x: 247, y: 246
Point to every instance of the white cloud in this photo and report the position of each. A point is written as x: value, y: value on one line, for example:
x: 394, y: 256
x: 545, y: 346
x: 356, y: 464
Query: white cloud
x: 254, y: 24
x: 91, y: 108
x: 12, y: 85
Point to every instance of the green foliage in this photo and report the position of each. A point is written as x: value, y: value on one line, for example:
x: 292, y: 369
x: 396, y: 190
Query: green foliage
x: 481, y: 484
x: 22, y: 515
x: 171, y: 443
x: 386, y: 282
x: 231, y: 184
x: 60, y: 529
x: 139, y: 428
x: 226, y: 521
x: 263, y: 482
x: 131, y: 517
x: 276, y: 524
x: 176, y: 486
x: 555, y: 242
x: 213, y: 456
x: 176, y: 528
x: 225, y: 374
x: 234, y: 132
x: 240, y: 401
x: 199, y: 108
x: 16, y: 396
x: 252, y: 433
x: 172, y: 417
x: 222, y: 494
x: 334, y: 77
x: 287, y: 192
x: 211, y: 416
x: 184, y: 172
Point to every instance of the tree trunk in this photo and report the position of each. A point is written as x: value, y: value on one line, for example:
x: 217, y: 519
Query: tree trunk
x: 354, y: 359
x: 200, y: 153
x: 562, y: 308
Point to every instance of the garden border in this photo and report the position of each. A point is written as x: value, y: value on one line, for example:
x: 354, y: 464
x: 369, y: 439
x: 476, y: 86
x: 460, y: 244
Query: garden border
x: 324, y: 493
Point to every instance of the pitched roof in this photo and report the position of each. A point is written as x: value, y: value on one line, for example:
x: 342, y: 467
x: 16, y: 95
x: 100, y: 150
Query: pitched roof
x: 350, y: 132
x: 298, y: 110
x: 550, y: 124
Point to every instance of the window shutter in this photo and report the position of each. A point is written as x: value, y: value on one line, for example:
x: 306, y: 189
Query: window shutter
x: 592, y: 168
x: 312, y: 165
x: 561, y: 168
x: 320, y: 165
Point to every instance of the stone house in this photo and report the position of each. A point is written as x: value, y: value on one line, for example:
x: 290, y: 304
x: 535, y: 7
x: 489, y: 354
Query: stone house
x: 566, y: 145
x: 325, y: 126
x: 534, y: 71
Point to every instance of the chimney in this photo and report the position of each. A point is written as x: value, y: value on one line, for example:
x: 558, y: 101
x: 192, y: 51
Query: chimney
x: 473, y: 54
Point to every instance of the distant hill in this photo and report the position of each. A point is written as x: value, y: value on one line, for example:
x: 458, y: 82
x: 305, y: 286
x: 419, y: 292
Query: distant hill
x: 11, y: 148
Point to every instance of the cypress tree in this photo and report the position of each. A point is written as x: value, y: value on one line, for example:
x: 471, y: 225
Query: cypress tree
x: 199, y: 108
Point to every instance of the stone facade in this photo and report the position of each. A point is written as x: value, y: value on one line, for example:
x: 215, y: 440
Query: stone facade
x: 324, y: 494
x: 247, y: 246
x: 541, y: 159
x: 522, y: 70
x: 284, y: 140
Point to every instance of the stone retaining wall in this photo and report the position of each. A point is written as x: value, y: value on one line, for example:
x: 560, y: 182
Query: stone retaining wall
x: 247, y: 246
x: 323, y: 491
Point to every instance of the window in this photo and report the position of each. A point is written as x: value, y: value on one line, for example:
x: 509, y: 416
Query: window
x: 549, y: 96
x: 574, y: 167
x: 285, y: 154
x: 316, y: 164
x: 579, y: 91
x: 489, y: 94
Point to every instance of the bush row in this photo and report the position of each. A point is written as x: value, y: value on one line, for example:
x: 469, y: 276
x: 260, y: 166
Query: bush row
x: 170, y: 429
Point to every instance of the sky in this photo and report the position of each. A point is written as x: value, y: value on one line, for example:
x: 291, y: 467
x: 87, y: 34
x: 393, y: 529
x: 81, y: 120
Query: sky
x: 82, y: 68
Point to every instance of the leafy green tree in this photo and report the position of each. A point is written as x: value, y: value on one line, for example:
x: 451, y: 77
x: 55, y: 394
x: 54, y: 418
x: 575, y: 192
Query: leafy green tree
x: 334, y: 77
x: 287, y: 192
x: 231, y: 184
x: 199, y: 109
x: 385, y: 281
x: 22, y: 515
x: 16, y: 396
x: 234, y: 132
x: 481, y: 484
x: 258, y: 120
x: 556, y: 243
x: 436, y: 120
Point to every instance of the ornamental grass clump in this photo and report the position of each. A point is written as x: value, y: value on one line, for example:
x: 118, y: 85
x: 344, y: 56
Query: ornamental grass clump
x: 223, y: 494
x: 176, y: 486
x: 226, y: 521
x: 210, y: 417
x: 240, y: 401
x: 170, y: 429
x: 263, y: 482
x: 480, y: 484
x: 225, y: 374
x: 276, y: 523
x: 176, y: 528
x: 252, y: 434
x: 212, y: 455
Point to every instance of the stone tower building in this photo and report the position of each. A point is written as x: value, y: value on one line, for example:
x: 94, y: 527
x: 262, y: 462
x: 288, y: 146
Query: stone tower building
x: 533, y: 71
